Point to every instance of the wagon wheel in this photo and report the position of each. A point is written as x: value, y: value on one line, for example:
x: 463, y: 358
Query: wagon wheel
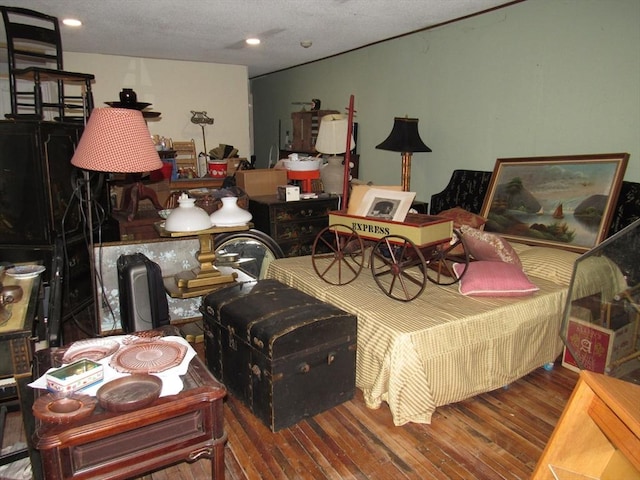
x: 398, y: 267
x: 443, y: 256
x: 337, y: 254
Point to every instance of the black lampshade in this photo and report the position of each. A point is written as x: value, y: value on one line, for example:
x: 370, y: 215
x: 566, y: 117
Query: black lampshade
x: 404, y: 137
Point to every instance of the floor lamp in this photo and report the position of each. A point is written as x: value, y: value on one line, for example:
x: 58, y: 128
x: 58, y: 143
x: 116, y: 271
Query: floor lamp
x: 115, y: 140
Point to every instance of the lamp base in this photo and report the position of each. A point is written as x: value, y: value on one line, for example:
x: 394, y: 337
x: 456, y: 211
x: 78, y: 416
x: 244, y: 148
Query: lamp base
x: 199, y: 280
x: 131, y: 198
x: 406, y: 171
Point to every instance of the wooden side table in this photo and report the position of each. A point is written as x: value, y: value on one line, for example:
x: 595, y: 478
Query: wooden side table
x: 16, y: 332
x: 15, y: 352
x: 598, y: 434
x: 183, y: 427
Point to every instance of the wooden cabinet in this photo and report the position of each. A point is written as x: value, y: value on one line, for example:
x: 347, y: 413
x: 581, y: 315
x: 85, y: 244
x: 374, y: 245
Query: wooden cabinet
x: 598, y: 434
x: 43, y: 208
x: 305, y: 129
x: 293, y: 225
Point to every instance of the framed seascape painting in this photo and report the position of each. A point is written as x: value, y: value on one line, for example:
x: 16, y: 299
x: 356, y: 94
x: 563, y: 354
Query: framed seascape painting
x: 563, y: 201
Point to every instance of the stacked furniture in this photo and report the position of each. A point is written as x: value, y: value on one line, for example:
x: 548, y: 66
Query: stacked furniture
x: 42, y: 218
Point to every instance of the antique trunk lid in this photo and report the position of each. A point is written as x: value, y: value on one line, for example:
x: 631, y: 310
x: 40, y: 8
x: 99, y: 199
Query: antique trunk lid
x: 276, y: 319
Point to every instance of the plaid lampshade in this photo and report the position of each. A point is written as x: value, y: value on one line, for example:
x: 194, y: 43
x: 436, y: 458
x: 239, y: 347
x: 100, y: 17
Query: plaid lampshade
x: 116, y: 140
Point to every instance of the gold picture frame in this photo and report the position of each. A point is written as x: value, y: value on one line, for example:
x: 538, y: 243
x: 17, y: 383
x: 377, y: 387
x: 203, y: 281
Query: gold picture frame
x: 561, y: 201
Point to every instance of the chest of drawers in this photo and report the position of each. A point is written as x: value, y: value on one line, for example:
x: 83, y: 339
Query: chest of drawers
x: 293, y: 225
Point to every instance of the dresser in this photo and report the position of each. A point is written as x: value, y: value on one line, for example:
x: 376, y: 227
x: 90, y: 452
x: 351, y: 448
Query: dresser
x: 293, y: 225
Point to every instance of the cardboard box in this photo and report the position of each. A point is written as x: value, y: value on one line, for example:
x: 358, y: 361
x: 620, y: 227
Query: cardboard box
x: 233, y: 164
x: 596, y: 347
x: 289, y: 193
x: 262, y: 181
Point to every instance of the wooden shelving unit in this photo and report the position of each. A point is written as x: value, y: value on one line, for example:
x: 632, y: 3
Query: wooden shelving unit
x: 598, y: 434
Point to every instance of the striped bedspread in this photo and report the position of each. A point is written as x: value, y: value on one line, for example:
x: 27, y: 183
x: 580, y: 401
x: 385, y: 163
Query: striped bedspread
x: 442, y: 347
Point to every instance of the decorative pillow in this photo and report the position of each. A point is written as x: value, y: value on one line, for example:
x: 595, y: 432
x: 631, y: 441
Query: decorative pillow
x: 493, y: 279
x: 460, y: 217
x: 488, y: 246
x: 550, y: 263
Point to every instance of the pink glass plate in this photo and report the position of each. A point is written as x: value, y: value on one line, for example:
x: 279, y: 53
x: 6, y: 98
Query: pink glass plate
x: 148, y: 357
x: 92, y: 349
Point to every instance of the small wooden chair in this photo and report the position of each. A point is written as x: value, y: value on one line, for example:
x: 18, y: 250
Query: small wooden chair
x: 34, y: 54
x: 186, y: 156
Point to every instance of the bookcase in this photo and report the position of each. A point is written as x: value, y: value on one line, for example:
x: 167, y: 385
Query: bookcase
x: 598, y: 434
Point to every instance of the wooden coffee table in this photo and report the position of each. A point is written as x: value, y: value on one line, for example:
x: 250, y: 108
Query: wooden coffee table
x: 183, y: 427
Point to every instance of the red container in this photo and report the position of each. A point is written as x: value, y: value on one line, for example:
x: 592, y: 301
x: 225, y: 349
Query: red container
x: 217, y: 168
x: 162, y: 173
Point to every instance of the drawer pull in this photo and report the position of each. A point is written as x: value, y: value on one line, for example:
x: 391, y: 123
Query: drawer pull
x: 304, y: 368
x: 257, y: 342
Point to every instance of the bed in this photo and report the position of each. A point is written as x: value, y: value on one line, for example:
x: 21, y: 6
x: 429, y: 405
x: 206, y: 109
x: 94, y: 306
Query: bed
x: 444, y: 347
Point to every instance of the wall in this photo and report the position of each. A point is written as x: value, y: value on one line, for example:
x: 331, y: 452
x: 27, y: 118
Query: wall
x: 541, y: 77
x: 175, y: 88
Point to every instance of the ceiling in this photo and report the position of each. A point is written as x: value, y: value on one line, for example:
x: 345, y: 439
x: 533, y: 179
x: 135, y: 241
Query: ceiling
x: 215, y: 30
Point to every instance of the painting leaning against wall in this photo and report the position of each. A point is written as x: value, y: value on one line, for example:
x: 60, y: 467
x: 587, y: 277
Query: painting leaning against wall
x: 560, y: 201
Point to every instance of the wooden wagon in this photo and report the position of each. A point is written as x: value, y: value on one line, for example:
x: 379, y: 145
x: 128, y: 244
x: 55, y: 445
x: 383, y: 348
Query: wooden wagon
x: 401, y: 255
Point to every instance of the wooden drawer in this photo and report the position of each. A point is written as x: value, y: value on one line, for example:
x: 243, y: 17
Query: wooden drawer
x: 303, y: 210
x: 303, y: 230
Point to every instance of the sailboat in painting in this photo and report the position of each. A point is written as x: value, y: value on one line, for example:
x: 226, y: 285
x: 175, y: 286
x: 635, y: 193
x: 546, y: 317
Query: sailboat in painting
x: 558, y: 212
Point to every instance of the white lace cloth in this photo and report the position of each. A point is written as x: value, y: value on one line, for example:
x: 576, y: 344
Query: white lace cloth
x: 171, y: 382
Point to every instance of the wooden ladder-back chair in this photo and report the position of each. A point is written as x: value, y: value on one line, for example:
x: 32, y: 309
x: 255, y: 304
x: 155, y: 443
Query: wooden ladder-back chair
x: 186, y: 156
x: 34, y: 53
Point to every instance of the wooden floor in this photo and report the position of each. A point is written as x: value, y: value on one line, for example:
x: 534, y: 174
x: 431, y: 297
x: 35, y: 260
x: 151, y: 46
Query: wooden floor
x: 497, y: 435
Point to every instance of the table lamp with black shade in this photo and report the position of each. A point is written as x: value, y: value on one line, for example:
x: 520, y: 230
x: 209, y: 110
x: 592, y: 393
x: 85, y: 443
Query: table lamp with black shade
x: 404, y: 138
x: 115, y: 140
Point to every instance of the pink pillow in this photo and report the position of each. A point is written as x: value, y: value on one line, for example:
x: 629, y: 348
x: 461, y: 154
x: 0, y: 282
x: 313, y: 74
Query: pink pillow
x: 488, y: 246
x: 460, y: 217
x: 493, y: 279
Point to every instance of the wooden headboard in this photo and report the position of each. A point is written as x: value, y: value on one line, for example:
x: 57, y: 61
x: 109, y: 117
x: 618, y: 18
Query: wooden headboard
x: 467, y: 189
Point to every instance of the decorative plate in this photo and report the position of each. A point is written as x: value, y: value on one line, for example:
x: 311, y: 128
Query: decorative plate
x: 54, y: 408
x: 132, y: 106
x: 92, y: 349
x: 26, y: 271
x: 129, y: 393
x: 148, y: 357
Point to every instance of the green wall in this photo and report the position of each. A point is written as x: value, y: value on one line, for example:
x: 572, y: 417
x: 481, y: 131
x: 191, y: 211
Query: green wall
x: 541, y: 77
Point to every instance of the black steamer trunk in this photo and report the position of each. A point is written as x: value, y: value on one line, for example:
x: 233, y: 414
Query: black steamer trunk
x: 286, y: 354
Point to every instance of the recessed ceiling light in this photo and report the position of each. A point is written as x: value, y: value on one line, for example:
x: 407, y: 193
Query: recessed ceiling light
x: 253, y: 41
x: 72, y: 22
